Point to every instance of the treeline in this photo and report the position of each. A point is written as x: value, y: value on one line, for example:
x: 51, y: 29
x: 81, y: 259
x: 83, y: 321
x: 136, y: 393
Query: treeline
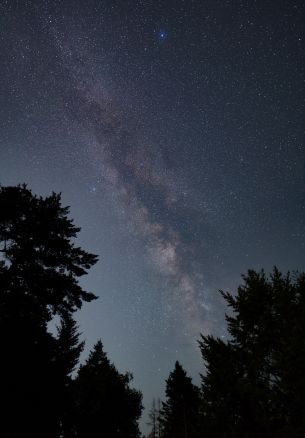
x: 252, y: 385
x: 39, y: 270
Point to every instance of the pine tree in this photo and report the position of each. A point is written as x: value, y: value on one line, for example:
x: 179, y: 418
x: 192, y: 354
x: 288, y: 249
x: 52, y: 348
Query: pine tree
x: 41, y: 264
x: 106, y: 405
x: 255, y: 383
x: 69, y: 347
x: 68, y: 351
x: 180, y: 411
x: 39, y: 270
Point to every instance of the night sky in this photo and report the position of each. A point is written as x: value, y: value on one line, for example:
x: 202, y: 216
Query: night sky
x: 175, y: 131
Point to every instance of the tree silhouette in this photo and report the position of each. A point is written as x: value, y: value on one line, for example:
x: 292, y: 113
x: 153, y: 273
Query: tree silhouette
x: 154, y: 419
x: 39, y: 270
x: 39, y: 253
x: 68, y: 346
x: 180, y: 411
x: 106, y: 405
x: 255, y: 382
x: 68, y: 351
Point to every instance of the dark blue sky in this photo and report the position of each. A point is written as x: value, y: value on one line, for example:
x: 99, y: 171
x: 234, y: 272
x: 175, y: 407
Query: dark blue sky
x: 175, y: 131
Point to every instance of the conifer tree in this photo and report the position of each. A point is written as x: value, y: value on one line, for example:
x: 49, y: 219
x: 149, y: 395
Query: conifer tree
x: 180, y: 411
x: 39, y: 270
x: 106, y: 405
x: 254, y: 384
x: 69, y: 349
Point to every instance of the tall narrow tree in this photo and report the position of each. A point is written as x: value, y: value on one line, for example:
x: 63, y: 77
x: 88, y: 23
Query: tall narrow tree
x: 68, y: 350
x: 106, y: 404
x: 155, y: 419
x: 153, y: 415
x: 180, y: 411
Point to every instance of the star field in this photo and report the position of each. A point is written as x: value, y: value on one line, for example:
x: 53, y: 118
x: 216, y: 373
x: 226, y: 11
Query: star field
x: 175, y: 131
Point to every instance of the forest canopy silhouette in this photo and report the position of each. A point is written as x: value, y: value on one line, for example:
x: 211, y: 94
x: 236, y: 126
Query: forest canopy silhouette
x: 252, y: 384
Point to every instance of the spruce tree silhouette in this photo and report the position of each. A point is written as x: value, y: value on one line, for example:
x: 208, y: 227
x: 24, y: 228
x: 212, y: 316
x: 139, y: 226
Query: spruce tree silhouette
x: 106, y: 405
x: 39, y: 270
x: 68, y: 351
x: 255, y: 383
x: 180, y: 411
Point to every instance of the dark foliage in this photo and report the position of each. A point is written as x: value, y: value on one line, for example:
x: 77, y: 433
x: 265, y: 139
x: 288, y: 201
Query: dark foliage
x: 39, y: 271
x: 106, y: 405
x: 180, y: 411
x: 68, y: 351
x: 41, y: 263
x: 255, y: 383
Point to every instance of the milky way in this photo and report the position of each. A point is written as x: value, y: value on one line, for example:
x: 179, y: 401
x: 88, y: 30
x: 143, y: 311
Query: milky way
x: 143, y: 185
x: 175, y: 131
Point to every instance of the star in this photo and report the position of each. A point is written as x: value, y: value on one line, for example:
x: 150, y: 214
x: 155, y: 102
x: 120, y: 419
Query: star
x: 162, y: 36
